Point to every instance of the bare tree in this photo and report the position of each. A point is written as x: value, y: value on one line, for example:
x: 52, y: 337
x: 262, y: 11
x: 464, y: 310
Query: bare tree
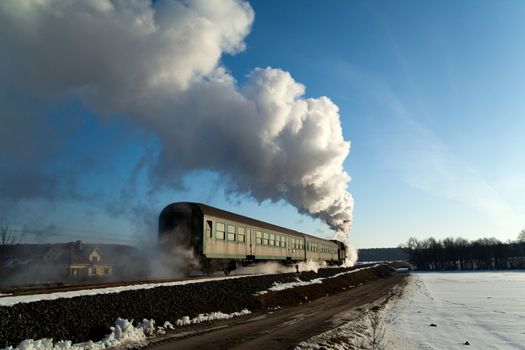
x: 8, y: 239
x: 521, y: 236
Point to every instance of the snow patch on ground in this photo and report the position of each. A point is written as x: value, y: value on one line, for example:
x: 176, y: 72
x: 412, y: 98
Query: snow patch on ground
x: 210, y: 317
x: 300, y: 283
x: 124, y: 334
x: 270, y: 268
x: 485, y: 309
x: 364, y: 331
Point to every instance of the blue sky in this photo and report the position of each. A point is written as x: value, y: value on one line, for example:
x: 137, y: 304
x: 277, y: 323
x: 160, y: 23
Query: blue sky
x: 438, y: 83
x: 431, y: 96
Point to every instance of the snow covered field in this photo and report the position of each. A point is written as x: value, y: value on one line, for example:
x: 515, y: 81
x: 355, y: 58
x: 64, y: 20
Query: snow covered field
x: 485, y: 309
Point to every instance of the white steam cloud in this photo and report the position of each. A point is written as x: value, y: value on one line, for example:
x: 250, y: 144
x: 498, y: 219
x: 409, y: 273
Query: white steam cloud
x: 158, y: 65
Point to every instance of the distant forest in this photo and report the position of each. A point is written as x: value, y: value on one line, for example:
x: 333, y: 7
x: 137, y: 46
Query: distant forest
x: 382, y: 254
x: 460, y: 254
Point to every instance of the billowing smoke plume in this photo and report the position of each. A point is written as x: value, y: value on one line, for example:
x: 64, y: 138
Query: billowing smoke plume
x: 158, y: 65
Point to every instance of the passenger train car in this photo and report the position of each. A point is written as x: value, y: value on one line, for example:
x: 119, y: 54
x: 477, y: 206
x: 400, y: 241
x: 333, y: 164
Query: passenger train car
x: 221, y: 240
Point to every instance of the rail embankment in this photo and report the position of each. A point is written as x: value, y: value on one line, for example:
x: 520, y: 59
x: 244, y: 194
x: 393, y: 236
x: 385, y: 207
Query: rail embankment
x: 89, y: 317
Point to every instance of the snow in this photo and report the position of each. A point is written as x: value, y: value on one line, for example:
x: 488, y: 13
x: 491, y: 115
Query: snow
x: 299, y: 283
x: 210, y: 317
x: 348, y: 336
x: 168, y: 325
x: 124, y: 334
x: 12, y: 300
x: 487, y: 309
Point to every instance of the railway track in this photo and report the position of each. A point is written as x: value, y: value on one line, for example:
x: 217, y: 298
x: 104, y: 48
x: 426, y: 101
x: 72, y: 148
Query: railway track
x: 45, y: 288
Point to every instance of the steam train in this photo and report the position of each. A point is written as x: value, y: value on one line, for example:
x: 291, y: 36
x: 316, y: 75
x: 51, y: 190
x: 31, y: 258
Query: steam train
x: 221, y: 240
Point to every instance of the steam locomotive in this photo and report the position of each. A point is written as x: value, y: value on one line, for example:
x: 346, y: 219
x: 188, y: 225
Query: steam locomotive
x: 221, y: 240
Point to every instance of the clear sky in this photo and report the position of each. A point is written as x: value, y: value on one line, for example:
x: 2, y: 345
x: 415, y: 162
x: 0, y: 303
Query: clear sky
x: 110, y: 112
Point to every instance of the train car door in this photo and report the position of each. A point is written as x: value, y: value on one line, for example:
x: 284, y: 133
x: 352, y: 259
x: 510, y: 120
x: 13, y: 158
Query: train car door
x: 251, y: 240
x: 288, y: 247
x: 208, y: 234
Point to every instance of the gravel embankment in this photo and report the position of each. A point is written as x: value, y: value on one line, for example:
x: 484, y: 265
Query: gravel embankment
x: 89, y: 317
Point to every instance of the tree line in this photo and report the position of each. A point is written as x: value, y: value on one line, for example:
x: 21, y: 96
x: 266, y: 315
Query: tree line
x: 461, y: 254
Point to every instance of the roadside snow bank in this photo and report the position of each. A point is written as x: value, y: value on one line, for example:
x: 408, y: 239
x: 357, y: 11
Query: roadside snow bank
x: 124, y: 333
x: 364, y: 331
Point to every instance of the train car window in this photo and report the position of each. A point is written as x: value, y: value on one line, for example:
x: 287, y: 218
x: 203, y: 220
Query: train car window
x: 231, y: 233
x: 209, y: 230
x: 272, y: 239
x: 258, y: 238
x: 240, y: 234
x: 265, y: 238
x: 219, y: 234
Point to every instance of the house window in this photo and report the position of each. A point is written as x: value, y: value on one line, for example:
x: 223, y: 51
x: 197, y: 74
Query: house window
x: 258, y: 238
x: 219, y: 231
x: 240, y: 234
x: 231, y: 233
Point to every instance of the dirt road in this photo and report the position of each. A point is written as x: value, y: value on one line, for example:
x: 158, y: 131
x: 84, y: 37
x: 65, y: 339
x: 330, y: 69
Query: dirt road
x: 284, y: 328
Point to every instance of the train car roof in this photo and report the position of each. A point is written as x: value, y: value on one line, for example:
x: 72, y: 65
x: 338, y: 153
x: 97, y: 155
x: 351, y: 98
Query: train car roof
x: 212, y: 211
x: 227, y: 215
